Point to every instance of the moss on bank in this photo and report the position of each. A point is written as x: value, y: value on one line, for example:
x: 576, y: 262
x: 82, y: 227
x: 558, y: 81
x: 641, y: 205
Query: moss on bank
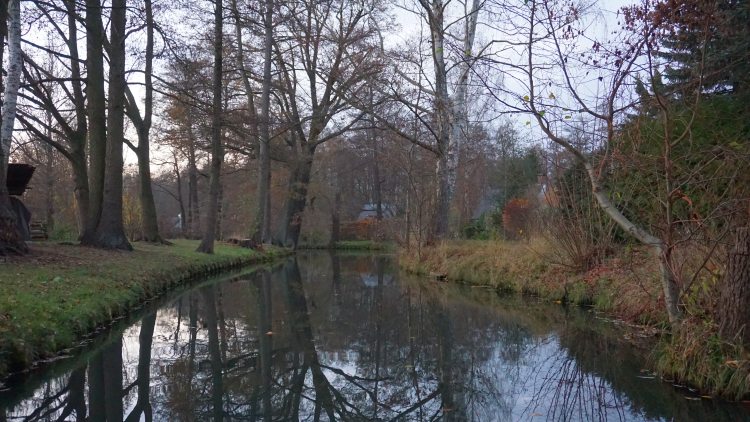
x: 626, y: 286
x: 58, y: 294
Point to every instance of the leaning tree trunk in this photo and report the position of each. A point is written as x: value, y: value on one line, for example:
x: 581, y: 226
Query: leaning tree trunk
x: 217, y: 150
x: 110, y: 232
x: 733, y: 310
x: 294, y: 207
x: 11, y: 240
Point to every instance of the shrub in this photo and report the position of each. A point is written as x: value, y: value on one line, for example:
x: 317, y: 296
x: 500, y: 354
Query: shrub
x: 516, y: 218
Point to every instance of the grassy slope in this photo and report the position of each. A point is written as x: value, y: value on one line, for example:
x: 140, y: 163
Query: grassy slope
x: 60, y: 293
x: 626, y: 286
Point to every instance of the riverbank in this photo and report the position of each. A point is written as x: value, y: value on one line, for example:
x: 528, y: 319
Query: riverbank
x: 353, y: 245
x: 625, y: 286
x: 58, y: 294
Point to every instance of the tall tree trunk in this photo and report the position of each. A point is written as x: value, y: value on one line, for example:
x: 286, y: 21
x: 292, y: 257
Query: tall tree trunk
x: 79, y: 168
x: 149, y: 216
x: 180, y: 200
x: 78, y: 138
x: 11, y: 240
x: 110, y: 232
x: 336, y: 218
x: 97, y: 120
x: 217, y: 149
x: 263, y: 222
x: 194, y: 211
x: 150, y: 224
x: 299, y: 181
x: 220, y: 214
x: 733, y: 310
x: 443, y: 122
x: 49, y: 192
x: 377, y: 192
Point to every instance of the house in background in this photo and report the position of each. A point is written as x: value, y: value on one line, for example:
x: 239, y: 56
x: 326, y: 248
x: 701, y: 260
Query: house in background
x: 370, y: 211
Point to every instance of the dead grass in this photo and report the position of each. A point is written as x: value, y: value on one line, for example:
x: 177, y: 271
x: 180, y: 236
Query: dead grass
x: 626, y: 286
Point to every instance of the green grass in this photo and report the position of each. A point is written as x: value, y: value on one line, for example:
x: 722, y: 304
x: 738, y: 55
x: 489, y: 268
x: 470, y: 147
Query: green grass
x: 58, y: 294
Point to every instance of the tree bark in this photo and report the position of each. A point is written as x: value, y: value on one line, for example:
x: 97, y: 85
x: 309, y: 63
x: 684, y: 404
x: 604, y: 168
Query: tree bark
x: 11, y: 240
x: 97, y: 120
x: 336, y: 219
x: 194, y: 211
x: 150, y: 224
x: 263, y: 219
x: 733, y: 312
x: 110, y: 232
x: 217, y: 149
x: 294, y: 208
x: 77, y: 139
x: 443, y: 122
x: 180, y: 200
x: 49, y: 191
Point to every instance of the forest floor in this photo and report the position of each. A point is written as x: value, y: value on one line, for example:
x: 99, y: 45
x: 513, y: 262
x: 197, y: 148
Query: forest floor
x: 56, y: 295
x: 625, y: 286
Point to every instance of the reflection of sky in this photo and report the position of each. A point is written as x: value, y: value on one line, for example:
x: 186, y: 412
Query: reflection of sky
x: 390, y: 342
x: 371, y: 279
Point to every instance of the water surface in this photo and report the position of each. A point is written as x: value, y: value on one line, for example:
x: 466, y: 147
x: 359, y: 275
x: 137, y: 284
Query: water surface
x: 344, y: 337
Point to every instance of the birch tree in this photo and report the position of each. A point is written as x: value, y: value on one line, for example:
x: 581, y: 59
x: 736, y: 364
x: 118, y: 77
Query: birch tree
x: 11, y: 241
x: 439, y: 97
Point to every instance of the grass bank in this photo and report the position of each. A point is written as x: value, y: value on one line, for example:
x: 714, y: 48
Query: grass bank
x: 58, y: 294
x: 626, y: 286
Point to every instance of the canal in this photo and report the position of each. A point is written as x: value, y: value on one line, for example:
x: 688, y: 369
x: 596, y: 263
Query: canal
x: 327, y: 336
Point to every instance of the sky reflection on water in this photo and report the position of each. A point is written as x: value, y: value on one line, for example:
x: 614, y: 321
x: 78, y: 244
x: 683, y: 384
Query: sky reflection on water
x: 341, y: 337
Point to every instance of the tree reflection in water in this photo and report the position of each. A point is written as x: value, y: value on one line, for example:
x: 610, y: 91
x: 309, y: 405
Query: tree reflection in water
x: 330, y: 337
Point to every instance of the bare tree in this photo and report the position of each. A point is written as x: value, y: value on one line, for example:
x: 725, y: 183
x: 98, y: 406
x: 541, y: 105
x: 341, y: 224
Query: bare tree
x: 217, y: 148
x: 96, y: 110
x: 324, y: 54
x: 110, y: 232
x: 143, y: 127
x: 443, y: 115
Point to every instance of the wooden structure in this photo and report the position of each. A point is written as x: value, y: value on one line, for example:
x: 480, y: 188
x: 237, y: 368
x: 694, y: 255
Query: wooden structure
x: 19, y: 176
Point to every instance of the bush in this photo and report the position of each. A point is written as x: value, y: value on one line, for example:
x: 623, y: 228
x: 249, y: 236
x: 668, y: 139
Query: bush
x: 64, y: 233
x: 516, y: 217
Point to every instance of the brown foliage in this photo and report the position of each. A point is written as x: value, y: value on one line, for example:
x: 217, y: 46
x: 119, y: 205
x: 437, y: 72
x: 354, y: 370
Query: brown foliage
x: 516, y: 217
